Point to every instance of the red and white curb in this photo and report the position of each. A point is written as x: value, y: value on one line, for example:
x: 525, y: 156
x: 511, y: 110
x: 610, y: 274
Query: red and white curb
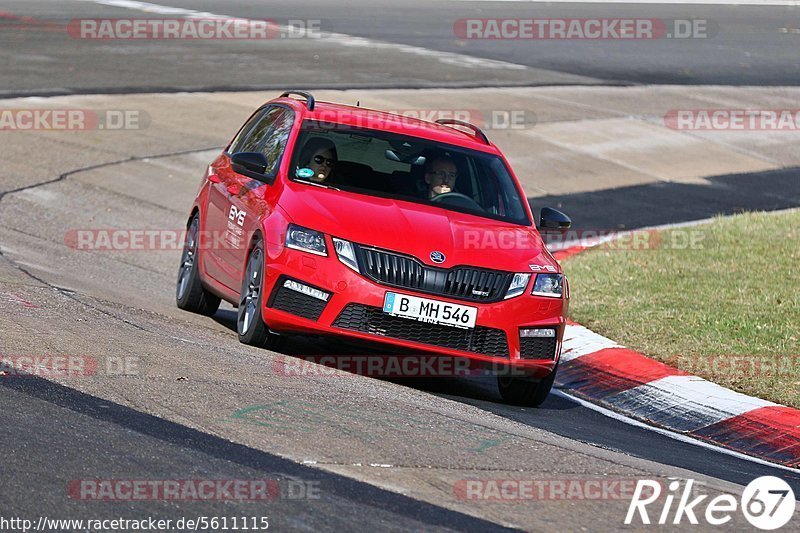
x: 599, y: 370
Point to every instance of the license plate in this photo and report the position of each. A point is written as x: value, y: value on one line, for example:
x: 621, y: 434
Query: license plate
x: 432, y: 311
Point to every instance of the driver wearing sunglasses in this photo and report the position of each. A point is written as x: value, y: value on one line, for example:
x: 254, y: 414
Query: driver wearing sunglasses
x: 320, y: 156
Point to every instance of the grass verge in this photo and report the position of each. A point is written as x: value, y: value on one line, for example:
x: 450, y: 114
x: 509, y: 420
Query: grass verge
x: 719, y: 300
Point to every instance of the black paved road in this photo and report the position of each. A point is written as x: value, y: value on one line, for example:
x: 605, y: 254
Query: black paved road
x: 745, y: 45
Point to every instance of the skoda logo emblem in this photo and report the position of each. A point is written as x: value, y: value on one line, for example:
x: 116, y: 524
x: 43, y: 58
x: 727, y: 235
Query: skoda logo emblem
x: 437, y: 257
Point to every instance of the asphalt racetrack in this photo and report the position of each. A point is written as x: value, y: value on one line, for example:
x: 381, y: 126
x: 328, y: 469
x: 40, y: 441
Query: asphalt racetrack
x: 347, y: 452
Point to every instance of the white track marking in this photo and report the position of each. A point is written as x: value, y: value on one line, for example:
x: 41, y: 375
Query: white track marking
x: 147, y: 7
x: 662, y: 227
x: 663, y: 2
x: 342, y: 39
x: 701, y: 392
x: 667, y: 433
x: 591, y: 243
x: 705, y: 402
x: 580, y: 341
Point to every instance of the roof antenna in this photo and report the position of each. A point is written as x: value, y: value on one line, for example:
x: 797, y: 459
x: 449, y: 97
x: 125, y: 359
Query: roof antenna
x: 358, y: 103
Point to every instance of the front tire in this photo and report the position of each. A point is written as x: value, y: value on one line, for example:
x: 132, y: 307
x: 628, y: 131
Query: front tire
x: 189, y: 292
x: 526, y: 391
x: 249, y: 321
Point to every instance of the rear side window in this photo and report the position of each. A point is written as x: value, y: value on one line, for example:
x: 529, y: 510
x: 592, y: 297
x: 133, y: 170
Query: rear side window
x: 266, y: 132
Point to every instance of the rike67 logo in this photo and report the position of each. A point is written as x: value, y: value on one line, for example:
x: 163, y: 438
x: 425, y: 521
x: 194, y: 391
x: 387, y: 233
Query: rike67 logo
x: 767, y: 502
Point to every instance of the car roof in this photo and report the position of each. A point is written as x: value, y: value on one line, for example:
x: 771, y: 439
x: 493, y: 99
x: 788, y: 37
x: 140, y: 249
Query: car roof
x: 367, y: 118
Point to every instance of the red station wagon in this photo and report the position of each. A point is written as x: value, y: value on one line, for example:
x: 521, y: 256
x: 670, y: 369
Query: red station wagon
x: 328, y: 219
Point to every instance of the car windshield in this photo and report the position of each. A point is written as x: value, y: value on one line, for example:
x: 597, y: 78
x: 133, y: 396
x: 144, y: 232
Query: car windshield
x: 385, y: 164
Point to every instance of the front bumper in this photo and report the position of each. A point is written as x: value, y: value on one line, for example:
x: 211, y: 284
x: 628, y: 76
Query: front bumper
x: 352, y: 307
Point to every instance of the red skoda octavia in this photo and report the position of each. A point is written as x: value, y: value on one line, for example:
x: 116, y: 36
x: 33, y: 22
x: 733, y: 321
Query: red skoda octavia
x: 328, y: 219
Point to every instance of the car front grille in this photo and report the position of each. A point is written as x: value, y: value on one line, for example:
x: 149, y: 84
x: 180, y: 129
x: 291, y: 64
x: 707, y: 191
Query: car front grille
x: 462, y: 283
x: 537, y: 348
x: 367, y: 319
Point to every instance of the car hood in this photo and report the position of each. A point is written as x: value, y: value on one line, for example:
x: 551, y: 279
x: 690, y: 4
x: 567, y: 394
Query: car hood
x: 416, y: 229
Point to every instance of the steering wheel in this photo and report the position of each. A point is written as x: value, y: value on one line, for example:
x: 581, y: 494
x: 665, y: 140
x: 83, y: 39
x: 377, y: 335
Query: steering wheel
x: 457, y: 199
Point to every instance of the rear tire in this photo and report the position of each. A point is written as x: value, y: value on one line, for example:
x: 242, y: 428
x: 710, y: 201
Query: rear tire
x: 526, y: 391
x: 249, y: 321
x: 190, y: 295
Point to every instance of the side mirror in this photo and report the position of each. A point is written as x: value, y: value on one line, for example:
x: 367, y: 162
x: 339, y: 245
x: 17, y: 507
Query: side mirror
x: 554, y: 219
x: 251, y: 164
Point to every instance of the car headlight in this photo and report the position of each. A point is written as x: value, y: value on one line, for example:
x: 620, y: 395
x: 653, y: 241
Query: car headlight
x: 346, y: 253
x: 307, y: 240
x: 551, y: 285
x: 518, y: 284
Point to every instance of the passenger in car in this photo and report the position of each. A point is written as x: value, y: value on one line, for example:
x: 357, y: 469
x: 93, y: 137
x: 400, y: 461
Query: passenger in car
x: 320, y: 156
x: 441, y: 174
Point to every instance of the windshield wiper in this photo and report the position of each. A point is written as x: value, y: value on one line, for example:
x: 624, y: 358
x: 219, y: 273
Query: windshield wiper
x: 317, y: 184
